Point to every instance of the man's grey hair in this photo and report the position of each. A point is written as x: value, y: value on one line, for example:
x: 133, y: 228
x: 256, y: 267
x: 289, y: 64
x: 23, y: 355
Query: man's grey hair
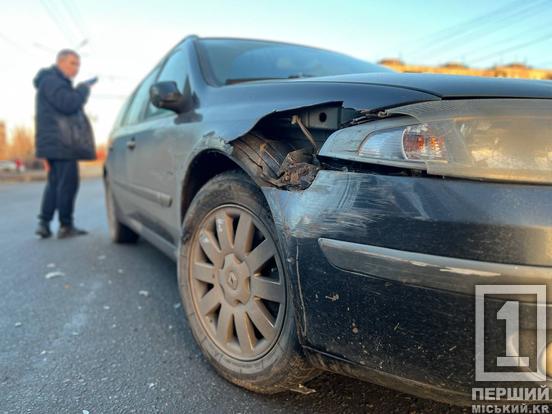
x: 62, y: 54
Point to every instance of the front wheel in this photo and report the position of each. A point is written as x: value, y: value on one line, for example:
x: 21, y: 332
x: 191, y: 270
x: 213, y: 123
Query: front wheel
x: 235, y: 288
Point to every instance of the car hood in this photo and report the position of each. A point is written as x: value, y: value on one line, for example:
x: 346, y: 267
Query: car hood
x: 449, y: 86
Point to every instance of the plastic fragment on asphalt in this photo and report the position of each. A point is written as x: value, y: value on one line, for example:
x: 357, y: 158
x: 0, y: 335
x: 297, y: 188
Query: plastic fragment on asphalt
x: 106, y: 307
x: 17, y: 324
x: 333, y: 297
x: 144, y: 293
x: 301, y: 389
x: 177, y: 305
x: 85, y: 412
x: 51, y: 275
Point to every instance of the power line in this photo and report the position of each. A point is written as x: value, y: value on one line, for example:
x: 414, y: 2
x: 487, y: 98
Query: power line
x: 7, y: 39
x: 451, y: 31
x: 510, y: 39
x: 516, y: 14
x: 54, y: 16
x: 70, y: 11
x: 74, y: 12
x: 516, y: 47
x: 44, y: 48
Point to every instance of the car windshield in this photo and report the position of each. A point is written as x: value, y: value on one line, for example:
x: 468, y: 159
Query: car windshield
x: 230, y: 61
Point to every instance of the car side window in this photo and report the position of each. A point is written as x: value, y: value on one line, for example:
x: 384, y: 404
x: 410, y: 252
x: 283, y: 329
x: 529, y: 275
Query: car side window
x: 175, y: 69
x: 140, y: 99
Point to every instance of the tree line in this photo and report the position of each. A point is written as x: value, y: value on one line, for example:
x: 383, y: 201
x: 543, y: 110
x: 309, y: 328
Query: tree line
x: 20, y: 146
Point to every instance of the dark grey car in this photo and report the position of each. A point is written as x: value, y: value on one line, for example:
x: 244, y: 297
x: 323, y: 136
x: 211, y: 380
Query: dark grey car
x: 312, y: 201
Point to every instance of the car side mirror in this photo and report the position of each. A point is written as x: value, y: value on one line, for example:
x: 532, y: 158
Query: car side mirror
x: 165, y: 95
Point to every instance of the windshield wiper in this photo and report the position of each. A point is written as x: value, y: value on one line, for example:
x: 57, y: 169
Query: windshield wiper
x: 241, y: 80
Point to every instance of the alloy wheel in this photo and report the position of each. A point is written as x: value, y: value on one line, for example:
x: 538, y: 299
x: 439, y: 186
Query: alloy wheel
x: 237, y: 282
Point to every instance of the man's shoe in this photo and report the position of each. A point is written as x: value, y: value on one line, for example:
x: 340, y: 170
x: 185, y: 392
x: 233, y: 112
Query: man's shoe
x: 65, y: 232
x: 43, y: 230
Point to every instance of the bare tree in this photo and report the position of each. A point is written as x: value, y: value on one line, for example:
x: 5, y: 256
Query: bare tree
x: 22, y: 143
x: 3, y: 141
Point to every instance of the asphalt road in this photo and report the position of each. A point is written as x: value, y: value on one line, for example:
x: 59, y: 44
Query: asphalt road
x: 107, y: 334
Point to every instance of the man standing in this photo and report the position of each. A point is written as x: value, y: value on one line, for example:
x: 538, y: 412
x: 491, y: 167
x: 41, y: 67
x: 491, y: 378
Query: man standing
x: 63, y: 136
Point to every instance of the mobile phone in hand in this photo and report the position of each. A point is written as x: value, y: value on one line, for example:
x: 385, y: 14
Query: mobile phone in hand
x: 91, y: 81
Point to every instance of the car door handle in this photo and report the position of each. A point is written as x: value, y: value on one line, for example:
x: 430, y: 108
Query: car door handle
x: 131, y: 143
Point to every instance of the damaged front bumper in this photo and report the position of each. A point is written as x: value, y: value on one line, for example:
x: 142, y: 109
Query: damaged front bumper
x: 386, y: 266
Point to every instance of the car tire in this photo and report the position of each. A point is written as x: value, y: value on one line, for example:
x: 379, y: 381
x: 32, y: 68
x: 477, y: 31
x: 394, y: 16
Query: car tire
x: 118, y: 232
x: 232, y: 197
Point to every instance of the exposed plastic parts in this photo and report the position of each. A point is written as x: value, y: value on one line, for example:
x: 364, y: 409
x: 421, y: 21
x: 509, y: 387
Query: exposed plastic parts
x: 295, y: 119
x: 275, y: 163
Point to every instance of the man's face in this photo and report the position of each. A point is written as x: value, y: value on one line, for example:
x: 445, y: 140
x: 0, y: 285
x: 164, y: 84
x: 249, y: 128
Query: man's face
x: 69, y: 65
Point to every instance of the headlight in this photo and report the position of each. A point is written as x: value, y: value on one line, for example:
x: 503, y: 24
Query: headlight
x: 498, y: 139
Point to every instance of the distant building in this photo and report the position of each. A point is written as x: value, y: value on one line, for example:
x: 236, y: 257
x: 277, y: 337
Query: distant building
x: 512, y: 70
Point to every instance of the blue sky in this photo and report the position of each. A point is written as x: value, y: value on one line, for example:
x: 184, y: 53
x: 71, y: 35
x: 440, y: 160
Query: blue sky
x: 126, y: 38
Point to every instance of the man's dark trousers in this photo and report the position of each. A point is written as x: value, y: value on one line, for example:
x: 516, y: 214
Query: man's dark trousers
x: 60, y: 192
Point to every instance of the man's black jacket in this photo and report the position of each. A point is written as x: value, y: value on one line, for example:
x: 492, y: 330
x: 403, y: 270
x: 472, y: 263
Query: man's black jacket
x: 62, y: 129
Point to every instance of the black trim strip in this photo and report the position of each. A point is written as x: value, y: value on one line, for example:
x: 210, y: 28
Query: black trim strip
x: 429, y: 271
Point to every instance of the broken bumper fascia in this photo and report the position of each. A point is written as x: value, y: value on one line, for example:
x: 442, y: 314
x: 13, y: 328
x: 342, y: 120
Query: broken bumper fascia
x: 384, y: 269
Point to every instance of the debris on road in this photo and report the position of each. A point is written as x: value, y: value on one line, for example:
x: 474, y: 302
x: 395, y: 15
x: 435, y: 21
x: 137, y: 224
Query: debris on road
x: 106, y: 307
x: 301, y: 389
x: 144, y: 293
x: 17, y: 324
x: 333, y: 297
x: 52, y: 275
x: 177, y: 305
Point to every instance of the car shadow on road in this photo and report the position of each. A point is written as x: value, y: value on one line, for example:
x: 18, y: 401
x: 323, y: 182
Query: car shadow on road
x: 333, y: 393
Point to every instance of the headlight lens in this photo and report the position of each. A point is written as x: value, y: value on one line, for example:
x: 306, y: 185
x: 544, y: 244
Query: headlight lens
x: 422, y: 142
x: 414, y: 143
x: 502, y: 140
